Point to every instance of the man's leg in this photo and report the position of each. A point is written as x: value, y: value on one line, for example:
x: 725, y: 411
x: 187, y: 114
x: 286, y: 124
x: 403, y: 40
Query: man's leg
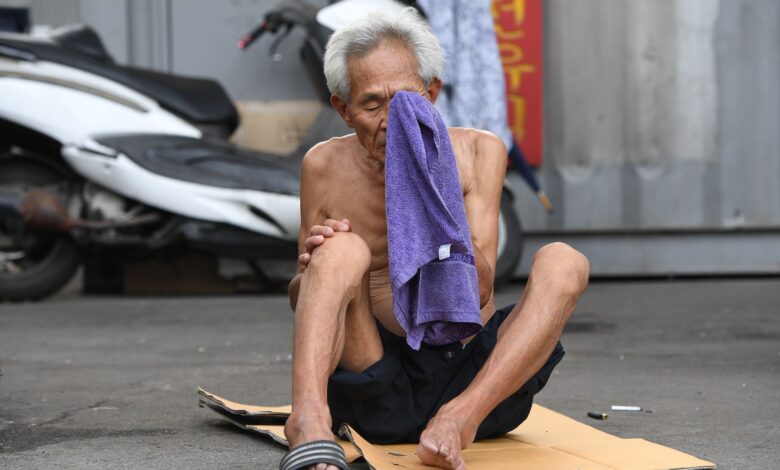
x: 527, y: 337
x: 333, y: 325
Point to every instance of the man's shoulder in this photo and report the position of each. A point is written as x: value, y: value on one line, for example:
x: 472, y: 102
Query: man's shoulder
x: 477, y: 149
x: 320, y: 157
x: 478, y: 139
x: 481, y: 158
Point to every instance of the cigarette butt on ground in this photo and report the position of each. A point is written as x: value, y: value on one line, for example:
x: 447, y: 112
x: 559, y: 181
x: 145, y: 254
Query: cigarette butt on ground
x: 626, y: 408
x: 599, y: 416
x: 629, y: 408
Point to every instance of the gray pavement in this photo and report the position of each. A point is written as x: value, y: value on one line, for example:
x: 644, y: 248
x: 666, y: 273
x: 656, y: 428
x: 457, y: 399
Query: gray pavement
x: 97, y: 382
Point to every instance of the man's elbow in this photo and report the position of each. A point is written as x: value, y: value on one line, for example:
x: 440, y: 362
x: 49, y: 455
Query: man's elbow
x: 484, y: 296
x: 485, y: 287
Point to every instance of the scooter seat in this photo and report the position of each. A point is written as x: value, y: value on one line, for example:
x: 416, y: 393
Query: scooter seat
x: 197, y: 100
x: 82, y: 39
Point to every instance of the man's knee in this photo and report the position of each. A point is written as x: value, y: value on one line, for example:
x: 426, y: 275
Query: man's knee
x: 344, y: 252
x: 568, y: 265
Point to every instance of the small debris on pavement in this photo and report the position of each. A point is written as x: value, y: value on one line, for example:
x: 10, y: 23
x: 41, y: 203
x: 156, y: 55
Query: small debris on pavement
x: 626, y: 408
x: 629, y: 408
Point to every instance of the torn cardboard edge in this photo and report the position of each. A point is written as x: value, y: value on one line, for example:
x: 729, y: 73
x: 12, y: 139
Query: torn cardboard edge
x: 546, y: 440
x: 265, y: 421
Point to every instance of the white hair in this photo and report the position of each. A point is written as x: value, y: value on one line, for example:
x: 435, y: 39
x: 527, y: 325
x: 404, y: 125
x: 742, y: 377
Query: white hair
x: 364, y: 35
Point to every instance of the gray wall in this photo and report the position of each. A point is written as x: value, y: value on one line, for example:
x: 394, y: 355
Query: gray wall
x: 204, y: 43
x: 661, y: 114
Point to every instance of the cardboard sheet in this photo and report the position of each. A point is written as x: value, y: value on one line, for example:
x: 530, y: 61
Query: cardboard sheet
x: 546, y: 440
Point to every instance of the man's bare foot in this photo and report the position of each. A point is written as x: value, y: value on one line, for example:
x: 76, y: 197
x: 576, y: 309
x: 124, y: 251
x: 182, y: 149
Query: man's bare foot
x: 309, y: 424
x: 443, y: 439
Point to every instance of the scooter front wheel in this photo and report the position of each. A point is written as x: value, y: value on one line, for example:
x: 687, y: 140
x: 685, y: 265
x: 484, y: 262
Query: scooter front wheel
x: 33, y: 264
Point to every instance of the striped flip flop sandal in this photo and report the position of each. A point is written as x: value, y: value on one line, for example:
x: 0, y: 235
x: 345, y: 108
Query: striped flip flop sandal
x: 312, y: 453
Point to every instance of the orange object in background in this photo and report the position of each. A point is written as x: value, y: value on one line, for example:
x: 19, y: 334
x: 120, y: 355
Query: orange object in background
x: 519, y: 30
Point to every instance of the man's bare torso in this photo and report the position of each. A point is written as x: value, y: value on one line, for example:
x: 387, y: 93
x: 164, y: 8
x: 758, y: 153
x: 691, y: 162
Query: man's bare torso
x: 350, y: 185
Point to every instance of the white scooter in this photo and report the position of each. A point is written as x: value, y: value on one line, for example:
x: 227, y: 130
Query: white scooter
x: 102, y: 159
x: 98, y: 158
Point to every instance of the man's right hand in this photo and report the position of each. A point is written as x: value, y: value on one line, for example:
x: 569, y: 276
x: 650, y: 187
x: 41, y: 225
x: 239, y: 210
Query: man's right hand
x: 317, y: 236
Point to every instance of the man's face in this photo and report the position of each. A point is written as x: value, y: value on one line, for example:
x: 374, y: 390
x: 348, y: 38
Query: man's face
x: 374, y: 79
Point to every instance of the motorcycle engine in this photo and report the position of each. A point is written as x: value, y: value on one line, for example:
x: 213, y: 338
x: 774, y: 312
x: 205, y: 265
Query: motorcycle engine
x: 101, y: 204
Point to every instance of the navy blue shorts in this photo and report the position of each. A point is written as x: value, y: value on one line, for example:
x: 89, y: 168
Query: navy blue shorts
x: 393, y: 400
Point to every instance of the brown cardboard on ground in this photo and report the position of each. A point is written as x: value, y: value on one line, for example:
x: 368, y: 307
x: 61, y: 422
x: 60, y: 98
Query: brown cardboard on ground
x: 545, y: 441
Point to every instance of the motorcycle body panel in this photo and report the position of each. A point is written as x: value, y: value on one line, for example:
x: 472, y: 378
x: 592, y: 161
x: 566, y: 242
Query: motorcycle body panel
x: 75, y: 108
x: 198, y: 201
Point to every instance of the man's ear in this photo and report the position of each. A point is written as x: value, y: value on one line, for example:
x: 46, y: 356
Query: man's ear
x: 434, y: 88
x: 341, y: 106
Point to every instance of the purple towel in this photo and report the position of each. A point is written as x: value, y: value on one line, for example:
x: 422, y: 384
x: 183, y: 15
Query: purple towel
x: 432, y: 272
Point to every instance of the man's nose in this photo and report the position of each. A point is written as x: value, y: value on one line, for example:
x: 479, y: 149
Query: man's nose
x: 385, y: 114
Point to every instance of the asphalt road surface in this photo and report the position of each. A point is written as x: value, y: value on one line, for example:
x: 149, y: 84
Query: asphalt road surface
x: 109, y: 382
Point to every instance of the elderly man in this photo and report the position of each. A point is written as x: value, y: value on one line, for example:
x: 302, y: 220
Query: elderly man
x: 350, y: 361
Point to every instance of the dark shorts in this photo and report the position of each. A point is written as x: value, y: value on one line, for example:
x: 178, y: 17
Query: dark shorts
x: 393, y: 400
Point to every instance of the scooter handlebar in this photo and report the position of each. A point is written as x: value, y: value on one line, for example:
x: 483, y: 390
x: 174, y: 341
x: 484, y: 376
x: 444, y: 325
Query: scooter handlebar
x: 248, y: 39
x: 285, y: 17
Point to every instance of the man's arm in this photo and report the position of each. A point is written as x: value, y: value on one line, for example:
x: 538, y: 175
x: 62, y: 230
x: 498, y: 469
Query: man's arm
x: 312, y: 212
x: 315, y: 226
x: 483, y: 202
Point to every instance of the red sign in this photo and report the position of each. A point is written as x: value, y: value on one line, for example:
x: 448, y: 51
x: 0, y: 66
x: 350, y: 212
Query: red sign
x: 519, y: 31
